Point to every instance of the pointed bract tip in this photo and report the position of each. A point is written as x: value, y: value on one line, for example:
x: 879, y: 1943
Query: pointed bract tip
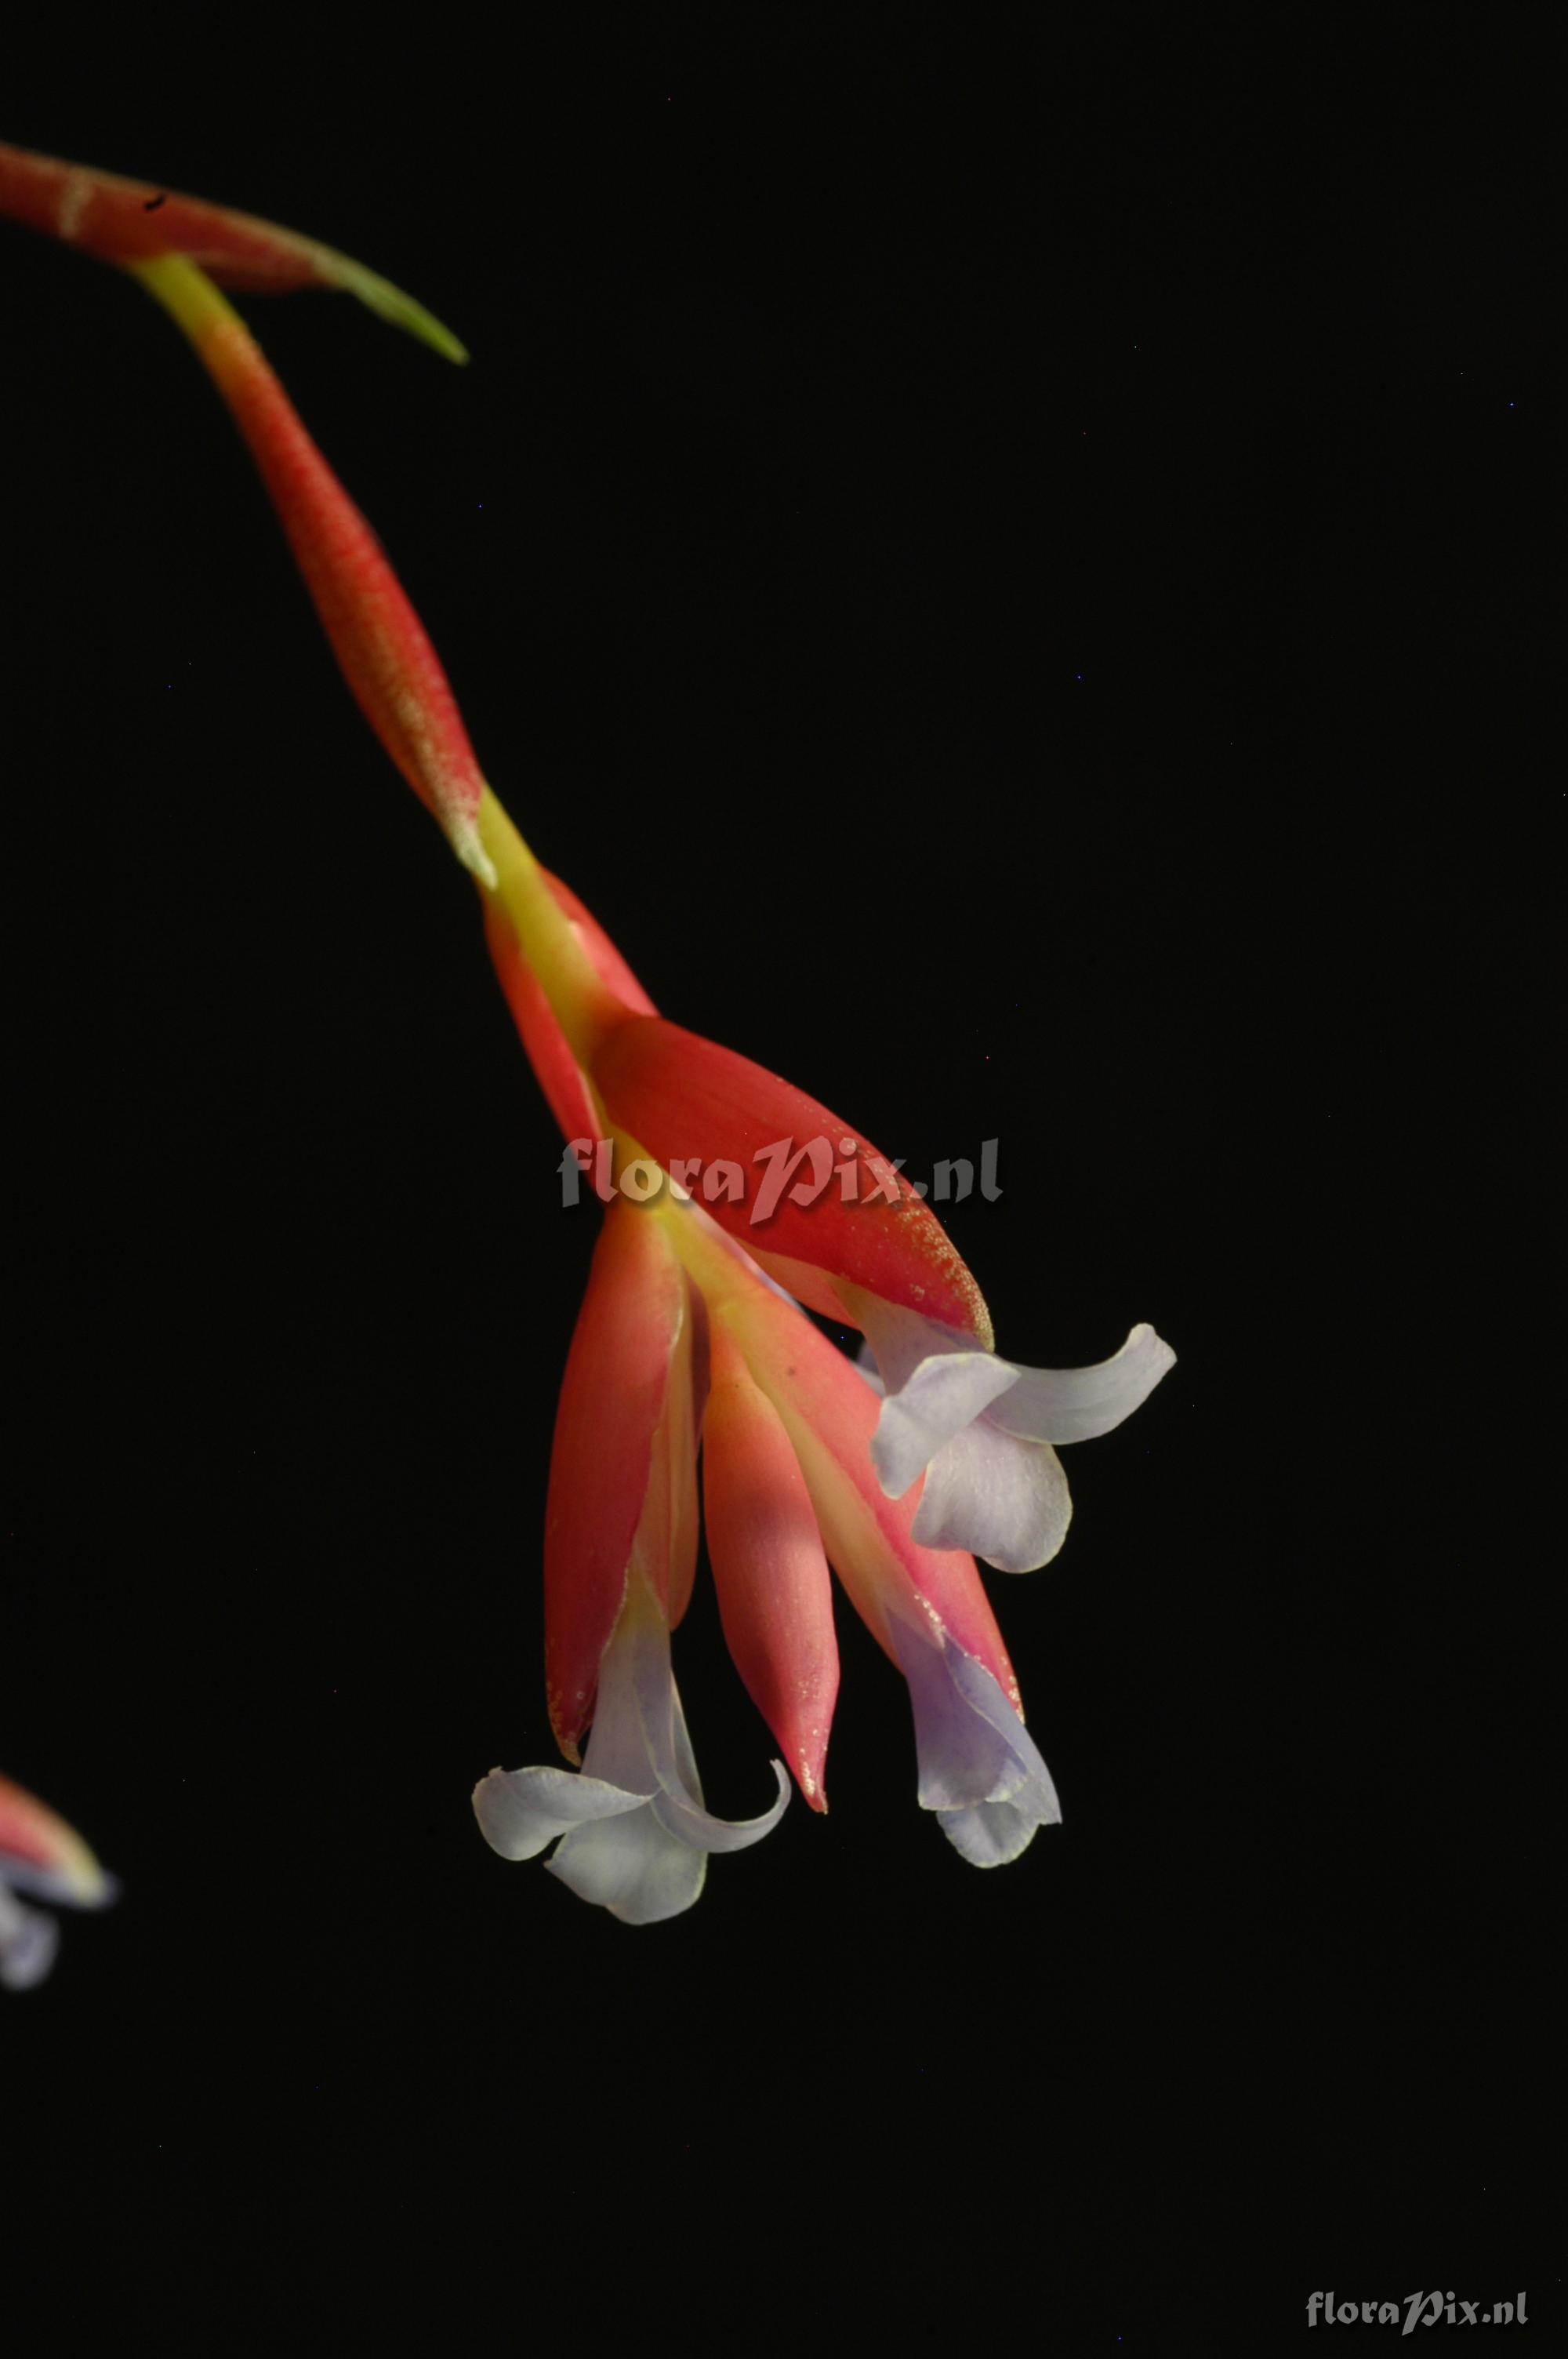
x: 390, y: 303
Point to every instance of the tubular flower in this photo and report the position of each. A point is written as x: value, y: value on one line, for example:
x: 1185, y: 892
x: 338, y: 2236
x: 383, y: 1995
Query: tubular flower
x: 980, y: 1430
x: 979, y: 1768
x: 692, y: 1332
x: 43, y: 1857
x: 621, y: 1535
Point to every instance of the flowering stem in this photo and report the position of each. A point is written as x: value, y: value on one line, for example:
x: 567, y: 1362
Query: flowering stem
x: 585, y: 1008
x: 378, y: 639
x: 383, y: 649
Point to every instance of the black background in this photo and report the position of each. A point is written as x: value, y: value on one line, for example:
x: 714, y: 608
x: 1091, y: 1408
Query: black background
x: 1006, y: 558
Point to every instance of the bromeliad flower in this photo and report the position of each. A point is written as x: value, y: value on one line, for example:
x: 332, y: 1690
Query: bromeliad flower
x: 692, y: 1333
x: 784, y: 1422
x: 43, y: 1857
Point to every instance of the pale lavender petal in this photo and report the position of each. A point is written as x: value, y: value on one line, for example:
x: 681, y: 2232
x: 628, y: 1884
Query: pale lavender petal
x: 980, y: 1770
x: 1004, y: 1500
x: 520, y: 1810
x: 1077, y: 1404
x: 983, y: 1695
x: 961, y: 1758
x: 29, y: 1940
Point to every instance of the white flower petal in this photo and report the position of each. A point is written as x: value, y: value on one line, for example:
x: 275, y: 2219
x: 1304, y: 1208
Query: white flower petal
x: 634, y: 1835
x: 938, y: 1400
x: 949, y: 1407
x: 520, y: 1810
x: 678, y: 1804
x: 992, y: 1834
x: 1004, y: 1500
x: 617, y: 1748
x: 705, y: 1833
x: 29, y: 1940
x: 632, y: 1866
x: 1075, y: 1404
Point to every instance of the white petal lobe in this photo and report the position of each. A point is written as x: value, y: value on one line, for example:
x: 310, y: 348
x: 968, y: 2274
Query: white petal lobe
x: 1078, y: 1404
x: 1004, y: 1500
x: 520, y: 1810
x: 632, y: 1867
x: 992, y: 1835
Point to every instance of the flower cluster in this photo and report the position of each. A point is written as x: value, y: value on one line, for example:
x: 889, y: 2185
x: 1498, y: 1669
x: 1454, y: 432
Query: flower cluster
x: 43, y: 1857
x: 895, y: 1475
x: 695, y: 1343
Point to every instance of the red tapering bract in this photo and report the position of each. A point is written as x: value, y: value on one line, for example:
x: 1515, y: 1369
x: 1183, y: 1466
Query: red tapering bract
x: 684, y: 1097
x: 609, y: 1453
x: 775, y: 1592
x: 381, y: 645
x: 126, y: 222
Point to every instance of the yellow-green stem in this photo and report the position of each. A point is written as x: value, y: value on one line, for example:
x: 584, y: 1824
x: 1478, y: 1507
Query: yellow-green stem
x: 586, y: 1009
x: 188, y: 295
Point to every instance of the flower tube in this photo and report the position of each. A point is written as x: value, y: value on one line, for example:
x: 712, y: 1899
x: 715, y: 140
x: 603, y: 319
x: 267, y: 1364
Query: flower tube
x: 620, y: 1537
x: 979, y: 1771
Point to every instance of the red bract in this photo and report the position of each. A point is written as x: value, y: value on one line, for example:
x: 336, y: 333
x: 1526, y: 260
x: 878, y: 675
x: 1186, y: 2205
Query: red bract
x: 620, y: 1551
x: 775, y: 1596
x: 615, y: 1410
x: 127, y: 222
x: 376, y: 635
x: 812, y: 1191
